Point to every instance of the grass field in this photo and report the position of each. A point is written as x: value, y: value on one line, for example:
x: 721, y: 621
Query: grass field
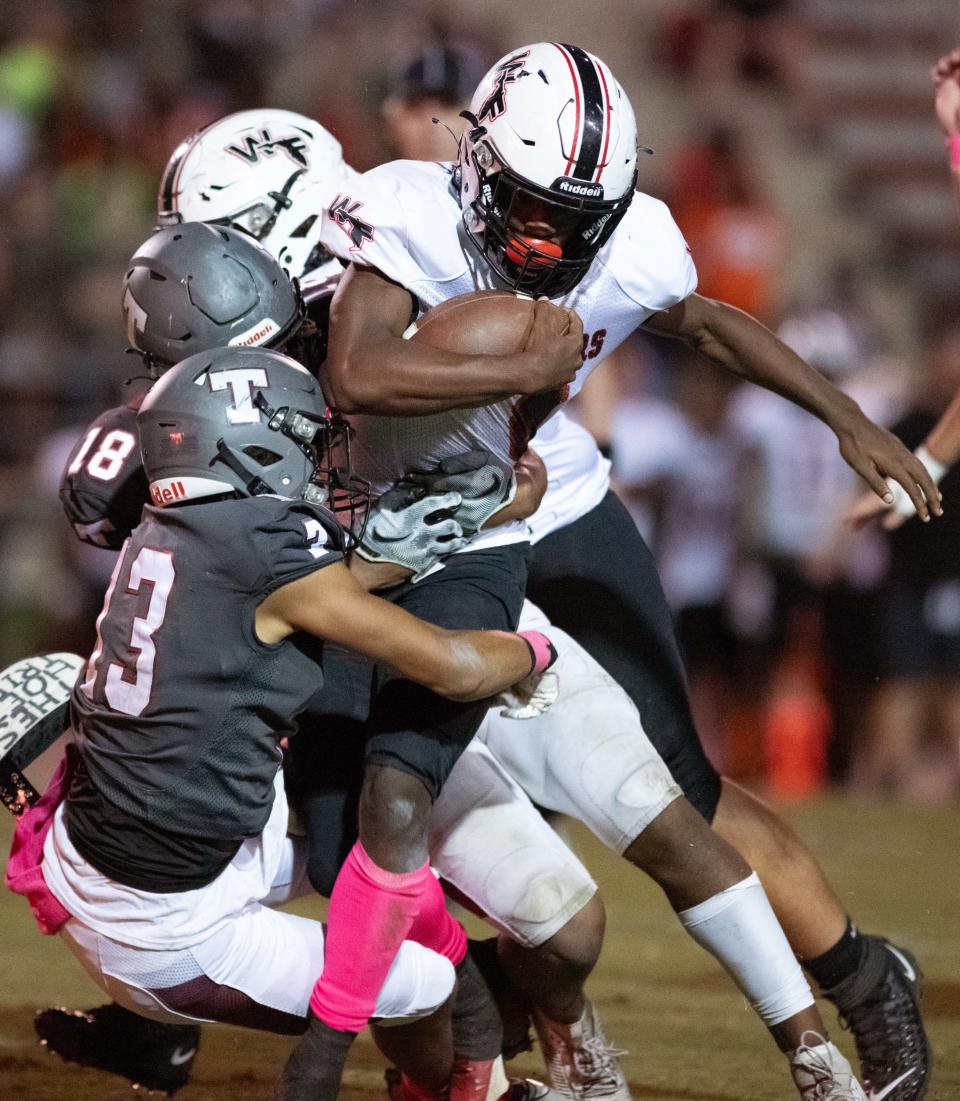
x: 688, y: 1032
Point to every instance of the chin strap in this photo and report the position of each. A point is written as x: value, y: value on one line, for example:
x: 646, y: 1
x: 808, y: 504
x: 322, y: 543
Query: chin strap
x: 253, y: 483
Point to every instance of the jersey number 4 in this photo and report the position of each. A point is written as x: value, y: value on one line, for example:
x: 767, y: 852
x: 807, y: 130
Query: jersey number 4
x: 126, y: 682
x: 107, y: 461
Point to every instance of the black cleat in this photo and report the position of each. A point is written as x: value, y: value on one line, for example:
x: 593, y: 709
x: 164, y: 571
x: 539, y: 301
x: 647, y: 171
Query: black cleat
x: 880, y: 1004
x: 153, y: 1056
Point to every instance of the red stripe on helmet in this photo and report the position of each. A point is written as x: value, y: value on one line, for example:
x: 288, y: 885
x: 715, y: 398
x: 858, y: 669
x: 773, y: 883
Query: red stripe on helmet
x: 576, y: 123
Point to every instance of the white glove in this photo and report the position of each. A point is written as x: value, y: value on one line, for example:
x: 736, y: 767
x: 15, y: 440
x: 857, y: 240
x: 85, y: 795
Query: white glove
x: 531, y: 697
x: 484, y: 482
x: 902, y: 503
x: 412, y: 528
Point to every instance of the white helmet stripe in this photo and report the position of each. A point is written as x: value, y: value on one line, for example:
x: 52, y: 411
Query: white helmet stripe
x: 608, y: 108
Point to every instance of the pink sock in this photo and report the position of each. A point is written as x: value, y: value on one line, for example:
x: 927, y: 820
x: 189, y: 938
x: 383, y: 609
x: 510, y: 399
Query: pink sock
x: 434, y: 928
x: 371, y: 913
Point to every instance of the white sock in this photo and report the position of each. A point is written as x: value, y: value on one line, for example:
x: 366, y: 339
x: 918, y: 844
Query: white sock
x: 738, y: 927
x: 499, y: 1083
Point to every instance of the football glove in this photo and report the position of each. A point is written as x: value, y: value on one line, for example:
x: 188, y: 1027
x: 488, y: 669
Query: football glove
x: 34, y: 712
x: 412, y: 527
x: 484, y: 483
x: 531, y: 697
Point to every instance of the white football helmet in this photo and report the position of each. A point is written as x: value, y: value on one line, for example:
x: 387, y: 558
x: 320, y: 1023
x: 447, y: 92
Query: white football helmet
x: 267, y: 172
x: 548, y: 166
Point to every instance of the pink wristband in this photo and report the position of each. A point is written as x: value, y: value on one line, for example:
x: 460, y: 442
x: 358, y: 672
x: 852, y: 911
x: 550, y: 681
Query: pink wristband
x: 953, y: 145
x: 541, y: 649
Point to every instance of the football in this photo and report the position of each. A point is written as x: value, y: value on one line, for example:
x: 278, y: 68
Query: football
x: 480, y: 323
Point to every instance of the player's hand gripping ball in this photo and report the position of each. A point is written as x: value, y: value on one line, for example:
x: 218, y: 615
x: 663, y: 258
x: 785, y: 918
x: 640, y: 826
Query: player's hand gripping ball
x: 503, y: 323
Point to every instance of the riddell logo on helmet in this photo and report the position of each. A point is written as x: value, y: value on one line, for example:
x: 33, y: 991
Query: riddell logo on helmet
x: 580, y: 188
x: 257, y: 335
x: 171, y: 491
x: 164, y: 493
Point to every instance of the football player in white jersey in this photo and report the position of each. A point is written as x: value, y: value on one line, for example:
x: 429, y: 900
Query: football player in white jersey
x: 543, y: 202
x: 647, y: 780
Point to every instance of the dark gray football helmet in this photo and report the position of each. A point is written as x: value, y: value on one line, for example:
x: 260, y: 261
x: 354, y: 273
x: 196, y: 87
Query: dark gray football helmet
x: 193, y: 287
x: 246, y: 421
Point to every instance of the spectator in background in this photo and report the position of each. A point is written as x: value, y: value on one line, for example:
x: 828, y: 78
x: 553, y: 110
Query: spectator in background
x: 790, y: 593
x: 686, y: 459
x: 427, y: 94
x: 722, y: 43
x: 737, y: 239
x: 913, y: 749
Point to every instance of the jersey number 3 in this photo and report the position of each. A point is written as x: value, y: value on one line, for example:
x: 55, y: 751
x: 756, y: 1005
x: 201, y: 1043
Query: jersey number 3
x: 127, y: 682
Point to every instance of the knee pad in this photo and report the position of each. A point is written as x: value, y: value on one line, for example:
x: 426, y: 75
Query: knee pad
x: 418, y: 982
x: 488, y: 840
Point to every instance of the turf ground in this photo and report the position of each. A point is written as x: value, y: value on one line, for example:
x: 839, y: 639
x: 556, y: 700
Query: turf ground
x: 689, y: 1034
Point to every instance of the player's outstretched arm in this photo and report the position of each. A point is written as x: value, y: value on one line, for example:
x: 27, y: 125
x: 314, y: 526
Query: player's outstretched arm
x: 462, y: 665
x: 938, y: 452
x: 738, y: 342
x: 370, y: 368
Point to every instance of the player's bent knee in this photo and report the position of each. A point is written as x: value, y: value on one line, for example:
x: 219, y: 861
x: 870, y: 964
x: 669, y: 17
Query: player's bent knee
x: 394, y: 806
x: 579, y: 942
x: 419, y: 981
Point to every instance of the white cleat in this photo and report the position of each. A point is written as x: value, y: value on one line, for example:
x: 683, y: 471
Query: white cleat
x: 581, y: 1064
x: 529, y: 1089
x: 821, y: 1073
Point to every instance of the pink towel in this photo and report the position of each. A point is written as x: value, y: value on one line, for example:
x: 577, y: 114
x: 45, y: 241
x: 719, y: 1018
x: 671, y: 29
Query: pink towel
x: 25, y: 864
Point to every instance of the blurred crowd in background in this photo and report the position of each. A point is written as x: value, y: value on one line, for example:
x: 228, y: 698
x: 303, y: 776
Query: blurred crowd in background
x: 796, y: 145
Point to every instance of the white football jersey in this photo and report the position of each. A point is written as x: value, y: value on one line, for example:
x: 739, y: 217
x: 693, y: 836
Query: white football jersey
x: 404, y: 220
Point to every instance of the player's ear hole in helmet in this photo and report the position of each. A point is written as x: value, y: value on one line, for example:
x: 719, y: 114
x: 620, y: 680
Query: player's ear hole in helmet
x: 548, y: 165
x: 244, y: 422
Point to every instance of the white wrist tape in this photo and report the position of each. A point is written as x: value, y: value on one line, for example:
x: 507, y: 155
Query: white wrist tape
x: 902, y: 505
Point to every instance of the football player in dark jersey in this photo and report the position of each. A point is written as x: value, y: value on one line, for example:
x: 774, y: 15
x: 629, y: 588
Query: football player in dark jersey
x: 164, y: 841
x: 194, y: 287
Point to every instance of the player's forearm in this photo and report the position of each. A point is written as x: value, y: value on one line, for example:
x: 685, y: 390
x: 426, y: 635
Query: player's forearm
x: 531, y: 479
x: 331, y: 604
x: 474, y: 665
x: 395, y: 377
x: 739, y: 343
x: 943, y: 443
x: 460, y: 665
x: 377, y: 575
